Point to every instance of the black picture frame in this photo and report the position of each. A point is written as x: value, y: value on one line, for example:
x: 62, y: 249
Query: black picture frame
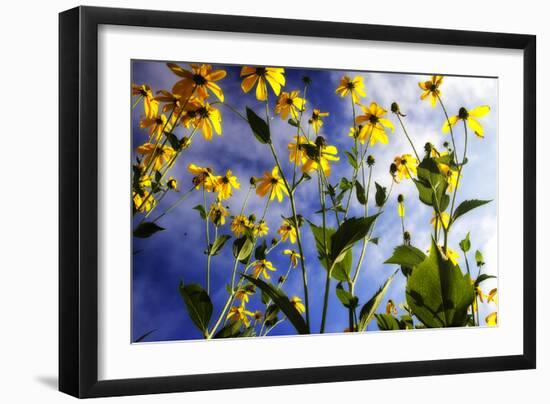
x: 78, y: 203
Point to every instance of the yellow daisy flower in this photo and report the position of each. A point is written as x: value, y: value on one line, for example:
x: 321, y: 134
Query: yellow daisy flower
x: 156, y: 126
x: 316, y: 120
x: 324, y: 154
x: 445, y: 218
x: 272, y: 183
x: 143, y: 203
x: 287, y: 230
x: 355, y: 87
x: 200, y: 79
x: 172, y: 183
x: 217, y: 214
x: 470, y: 117
x: 406, y: 166
x: 150, y: 104
x: 262, y: 75
x: 293, y: 256
x: 203, y: 176
x: 239, y: 224
x: 262, y: 267
x: 289, y: 103
x: 390, y: 308
x: 170, y: 100
x: 296, y: 152
x: 162, y: 155
x: 239, y: 313
x: 373, y: 124
x: 204, y: 117
x: 243, y: 293
x: 224, y: 185
x: 297, y: 303
x: 431, y: 88
x: 492, y: 319
x: 452, y: 176
x: 260, y: 229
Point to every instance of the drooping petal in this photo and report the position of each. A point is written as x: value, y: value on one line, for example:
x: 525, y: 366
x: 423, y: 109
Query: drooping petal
x: 180, y: 71
x: 480, y: 111
x: 216, y: 90
x: 449, y: 123
x: 475, y: 126
x: 261, y: 90
x: 248, y: 83
x: 386, y: 123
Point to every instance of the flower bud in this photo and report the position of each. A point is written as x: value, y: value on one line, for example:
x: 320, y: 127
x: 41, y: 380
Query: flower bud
x: 428, y: 147
x: 252, y: 218
x: 253, y: 181
x: 185, y: 142
x: 306, y: 80
x: 172, y: 183
x: 281, y: 279
x: 370, y: 160
x: 393, y: 169
x: 446, y: 144
x: 407, y: 237
x: 320, y: 141
x: 400, y: 198
x: 274, y: 240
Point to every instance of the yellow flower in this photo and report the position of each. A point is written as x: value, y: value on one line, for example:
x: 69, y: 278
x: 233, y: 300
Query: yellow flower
x: 452, y: 255
x: 355, y: 87
x: 390, y: 308
x: 239, y: 313
x: 156, y: 125
x: 445, y: 217
x: 373, y: 124
x: 452, y: 176
x: 200, y: 79
x: 400, y: 206
x: 354, y: 131
x: 162, y: 155
x: 294, y: 257
x: 143, y: 203
x: 272, y: 183
x: 261, y: 267
x: 470, y: 117
x: 431, y: 88
x: 323, y: 155
x: 150, y: 104
x: 260, y: 229
x: 204, y: 117
x: 172, y: 183
x: 492, y: 319
x: 275, y: 76
x: 217, y: 214
x: 297, y: 303
x: 289, y: 103
x: 224, y: 185
x: 316, y: 120
x: 406, y: 166
x: 287, y: 230
x: 296, y: 152
x: 171, y: 101
x: 258, y: 315
x: 243, y: 293
x: 203, y: 176
x: 492, y: 296
x: 239, y: 224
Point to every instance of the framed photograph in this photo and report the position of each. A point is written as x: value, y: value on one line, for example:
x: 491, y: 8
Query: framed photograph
x: 251, y: 201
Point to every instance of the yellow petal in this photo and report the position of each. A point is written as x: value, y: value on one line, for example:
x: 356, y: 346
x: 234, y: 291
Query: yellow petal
x: 448, y: 124
x: 248, y: 83
x: 480, y: 112
x: 475, y: 126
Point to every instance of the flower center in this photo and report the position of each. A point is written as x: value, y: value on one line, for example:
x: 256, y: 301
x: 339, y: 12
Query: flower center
x: 373, y: 119
x: 350, y: 85
x: 260, y: 71
x: 199, y: 80
x: 463, y: 113
x: 433, y: 87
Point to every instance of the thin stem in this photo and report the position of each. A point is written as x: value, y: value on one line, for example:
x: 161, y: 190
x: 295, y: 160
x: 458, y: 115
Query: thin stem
x: 298, y: 137
x: 137, y: 101
x: 329, y: 270
x: 206, y: 220
x: 175, y: 204
x: 408, y: 137
x: 450, y: 126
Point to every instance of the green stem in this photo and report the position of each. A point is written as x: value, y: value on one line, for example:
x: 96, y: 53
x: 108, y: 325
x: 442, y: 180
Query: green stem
x: 175, y: 204
x: 329, y: 270
x: 137, y: 102
x: 450, y: 127
x: 407, y: 135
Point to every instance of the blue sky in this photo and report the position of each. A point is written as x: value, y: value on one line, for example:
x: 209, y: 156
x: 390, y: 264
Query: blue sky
x: 176, y: 253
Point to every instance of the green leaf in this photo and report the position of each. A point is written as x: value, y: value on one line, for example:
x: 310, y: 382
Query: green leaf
x: 242, y: 248
x: 345, y: 297
x: 479, y: 259
x: 407, y: 256
x: 465, y: 244
x: 369, y: 308
x: 259, y: 253
x: 380, y: 196
x: 349, y: 232
x: 231, y: 330
x: 201, y: 210
x: 345, y: 184
x: 173, y: 140
x: 271, y: 313
x: 147, y: 229
x: 482, y: 277
x: 281, y: 300
x: 438, y: 293
x: 387, y: 322
x: 218, y: 244
x: 361, y: 197
x: 432, y: 185
x: 340, y: 270
x: 351, y: 160
x: 467, y: 206
x: 293, y: 122
x: 259, y: 127
x: 198, y: 305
